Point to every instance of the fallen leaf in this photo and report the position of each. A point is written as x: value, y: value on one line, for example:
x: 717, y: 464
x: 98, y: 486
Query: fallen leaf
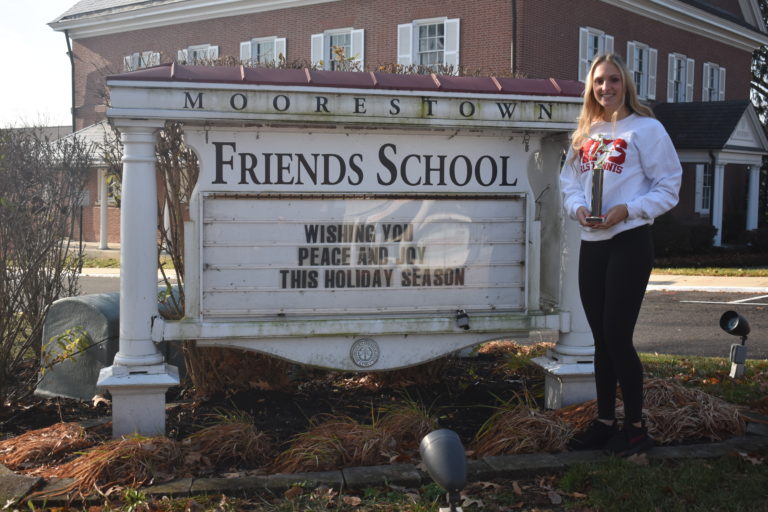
x: 641, y: 459
x: 756, y: 461
x: 554, y: 498
x: 99, y: 399
x: 467, y: 502
x: 293, y: 492
x: 516, y: 488
x: 352, y: 501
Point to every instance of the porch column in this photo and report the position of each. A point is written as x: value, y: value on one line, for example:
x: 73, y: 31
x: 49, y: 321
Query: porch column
x: 103, y: 210
x: 138, y: 378
x: 753, y: 193
x: 717, y: 202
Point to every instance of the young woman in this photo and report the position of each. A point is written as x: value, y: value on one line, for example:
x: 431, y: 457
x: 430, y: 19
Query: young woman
x: 619, y: 137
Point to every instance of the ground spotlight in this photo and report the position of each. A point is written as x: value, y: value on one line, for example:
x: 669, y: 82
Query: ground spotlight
x: 733, y: 323
x: 443, y: 454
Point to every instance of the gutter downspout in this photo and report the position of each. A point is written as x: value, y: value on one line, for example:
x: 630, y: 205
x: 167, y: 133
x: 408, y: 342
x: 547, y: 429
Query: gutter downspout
x: 514, y: 37
x: 72, y: 77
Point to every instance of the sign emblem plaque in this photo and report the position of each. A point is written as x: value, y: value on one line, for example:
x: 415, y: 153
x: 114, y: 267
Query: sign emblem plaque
x: 364, y: 352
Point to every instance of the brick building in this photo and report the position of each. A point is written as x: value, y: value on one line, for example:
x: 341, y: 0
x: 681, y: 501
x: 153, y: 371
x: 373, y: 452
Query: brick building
x: 691, y: 60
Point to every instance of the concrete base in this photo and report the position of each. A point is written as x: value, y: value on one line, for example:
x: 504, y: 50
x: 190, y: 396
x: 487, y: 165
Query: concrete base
x: 138, y: 397
x: 567, y: 383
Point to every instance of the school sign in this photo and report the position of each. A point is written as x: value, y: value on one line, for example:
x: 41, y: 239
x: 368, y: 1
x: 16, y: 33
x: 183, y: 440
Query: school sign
x: 357, y: 221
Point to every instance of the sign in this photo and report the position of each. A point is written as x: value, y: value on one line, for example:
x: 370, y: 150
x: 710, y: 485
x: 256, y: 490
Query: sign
x: 295, y: 256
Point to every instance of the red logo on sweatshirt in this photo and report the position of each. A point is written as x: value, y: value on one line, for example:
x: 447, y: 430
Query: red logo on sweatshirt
x: 591, y: 150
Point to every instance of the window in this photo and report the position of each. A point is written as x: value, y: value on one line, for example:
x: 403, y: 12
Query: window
x: 339, y: 50
x: 198, y: 53
x: 641, y: 61
x: 713, y: 82
x: 704, y: 182
x: 432, y: 43
x: 679, y: 78
x: 140, y: 60
x: 592, y: 42
x: 263, y: 50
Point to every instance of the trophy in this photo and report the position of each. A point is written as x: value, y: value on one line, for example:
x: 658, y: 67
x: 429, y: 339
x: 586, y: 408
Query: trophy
x: 596, y: 213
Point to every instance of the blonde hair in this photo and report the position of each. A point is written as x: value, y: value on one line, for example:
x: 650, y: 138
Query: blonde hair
x: 592, y: 111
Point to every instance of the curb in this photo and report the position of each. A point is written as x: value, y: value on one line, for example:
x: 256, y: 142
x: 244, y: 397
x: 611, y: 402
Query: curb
x: 401, y: 475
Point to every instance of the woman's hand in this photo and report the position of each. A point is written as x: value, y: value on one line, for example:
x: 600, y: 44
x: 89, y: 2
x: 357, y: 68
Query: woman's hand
x: 615, y: 215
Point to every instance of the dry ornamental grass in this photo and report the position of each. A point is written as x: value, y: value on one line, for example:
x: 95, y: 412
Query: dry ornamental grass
x: 43, y: 445
x: 521, y: 430
x: 127, y: 462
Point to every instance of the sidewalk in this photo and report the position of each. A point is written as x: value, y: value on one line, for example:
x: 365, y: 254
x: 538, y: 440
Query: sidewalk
x: 658, y: 282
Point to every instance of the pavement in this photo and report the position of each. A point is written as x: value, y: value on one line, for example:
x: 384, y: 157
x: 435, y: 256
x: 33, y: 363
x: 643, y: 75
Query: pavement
x: 15, y: 487
x: 658, y: 282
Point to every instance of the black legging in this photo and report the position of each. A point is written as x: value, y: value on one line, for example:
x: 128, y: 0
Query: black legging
x: 613, y: 275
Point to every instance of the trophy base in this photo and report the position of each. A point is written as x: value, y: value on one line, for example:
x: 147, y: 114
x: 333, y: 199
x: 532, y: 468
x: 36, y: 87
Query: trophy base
x: 595, y: 220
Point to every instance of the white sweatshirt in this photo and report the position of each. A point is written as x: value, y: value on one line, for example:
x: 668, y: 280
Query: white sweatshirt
x: 642, y: 170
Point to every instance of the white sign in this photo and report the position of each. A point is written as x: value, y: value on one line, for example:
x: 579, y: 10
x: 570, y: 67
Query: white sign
x: 339, y: 256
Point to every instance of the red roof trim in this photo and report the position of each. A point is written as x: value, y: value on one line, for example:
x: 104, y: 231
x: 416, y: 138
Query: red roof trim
x: 354, y: 80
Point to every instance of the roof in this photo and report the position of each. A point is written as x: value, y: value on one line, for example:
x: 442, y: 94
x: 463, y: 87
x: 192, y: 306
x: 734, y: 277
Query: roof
x: 354, y: 80
x: 97, y: 7
x: 96, y: 137
x: 701, y: 125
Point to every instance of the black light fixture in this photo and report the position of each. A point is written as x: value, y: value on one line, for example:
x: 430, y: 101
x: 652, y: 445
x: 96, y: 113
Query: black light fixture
x: 733, y: 323
x: 462, y: 319
x: 443, y: 455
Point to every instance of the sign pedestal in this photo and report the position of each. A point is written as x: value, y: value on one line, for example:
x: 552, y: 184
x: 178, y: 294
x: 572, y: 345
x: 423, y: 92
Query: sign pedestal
x: 138, y: 397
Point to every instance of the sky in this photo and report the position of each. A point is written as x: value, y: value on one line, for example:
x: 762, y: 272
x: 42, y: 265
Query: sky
x: 35, y: 87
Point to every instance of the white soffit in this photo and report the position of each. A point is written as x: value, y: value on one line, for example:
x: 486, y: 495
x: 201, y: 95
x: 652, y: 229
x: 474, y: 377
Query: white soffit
x: 687, y: 17
x: 173, y: 13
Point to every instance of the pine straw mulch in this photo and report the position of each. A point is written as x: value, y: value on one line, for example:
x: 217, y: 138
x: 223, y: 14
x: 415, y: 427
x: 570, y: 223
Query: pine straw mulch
x: 505, y: 420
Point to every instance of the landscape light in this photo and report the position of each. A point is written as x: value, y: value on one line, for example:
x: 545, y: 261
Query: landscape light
x: 733, y: 323
x: 443, y: 455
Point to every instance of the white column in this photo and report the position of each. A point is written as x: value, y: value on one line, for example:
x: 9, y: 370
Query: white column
x: 103, y: 211
x: 138, y: 378
x: 717, y: 202
x: 138, y: 248
x: 569, y: 367
x: 753, y: 193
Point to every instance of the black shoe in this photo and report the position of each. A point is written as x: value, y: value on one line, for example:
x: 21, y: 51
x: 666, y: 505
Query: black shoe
x: 629, y: 440
x: 594, y: 436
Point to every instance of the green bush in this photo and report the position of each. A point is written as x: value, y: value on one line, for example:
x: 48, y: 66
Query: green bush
x: 755, y: 240
x: 672, y: 237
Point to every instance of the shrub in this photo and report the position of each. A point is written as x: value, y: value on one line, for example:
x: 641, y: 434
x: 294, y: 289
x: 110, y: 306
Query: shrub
x: 755, y: 240
x: 41, y: 184
x: 672, y: 237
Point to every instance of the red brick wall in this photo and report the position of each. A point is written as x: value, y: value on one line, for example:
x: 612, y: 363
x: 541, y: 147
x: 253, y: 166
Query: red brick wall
x: 547, y: 53
x: 486, y: 32
x: 91, y: 224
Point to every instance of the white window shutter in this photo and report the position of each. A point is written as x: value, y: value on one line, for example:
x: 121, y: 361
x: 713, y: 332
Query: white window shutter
x: 146, y: 59
x: 671, y: 78
x: 212, y: 53
x: 652, y: 58
x: 631, y: 55
x: 127, y: 63
x: 182, y: 56
x: 705, y: 82
x: 357, y: 47
x: 583, y: 57
x: 689, y: 75
x: 318, y: 49
x: 699, y: 189
x: 154, y: 59
x: 280, y: 47
x: 245, y: 52
x: 451, y: 54
x: 721, y: 83
x: 608, y: 45
x: 405, y: 44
